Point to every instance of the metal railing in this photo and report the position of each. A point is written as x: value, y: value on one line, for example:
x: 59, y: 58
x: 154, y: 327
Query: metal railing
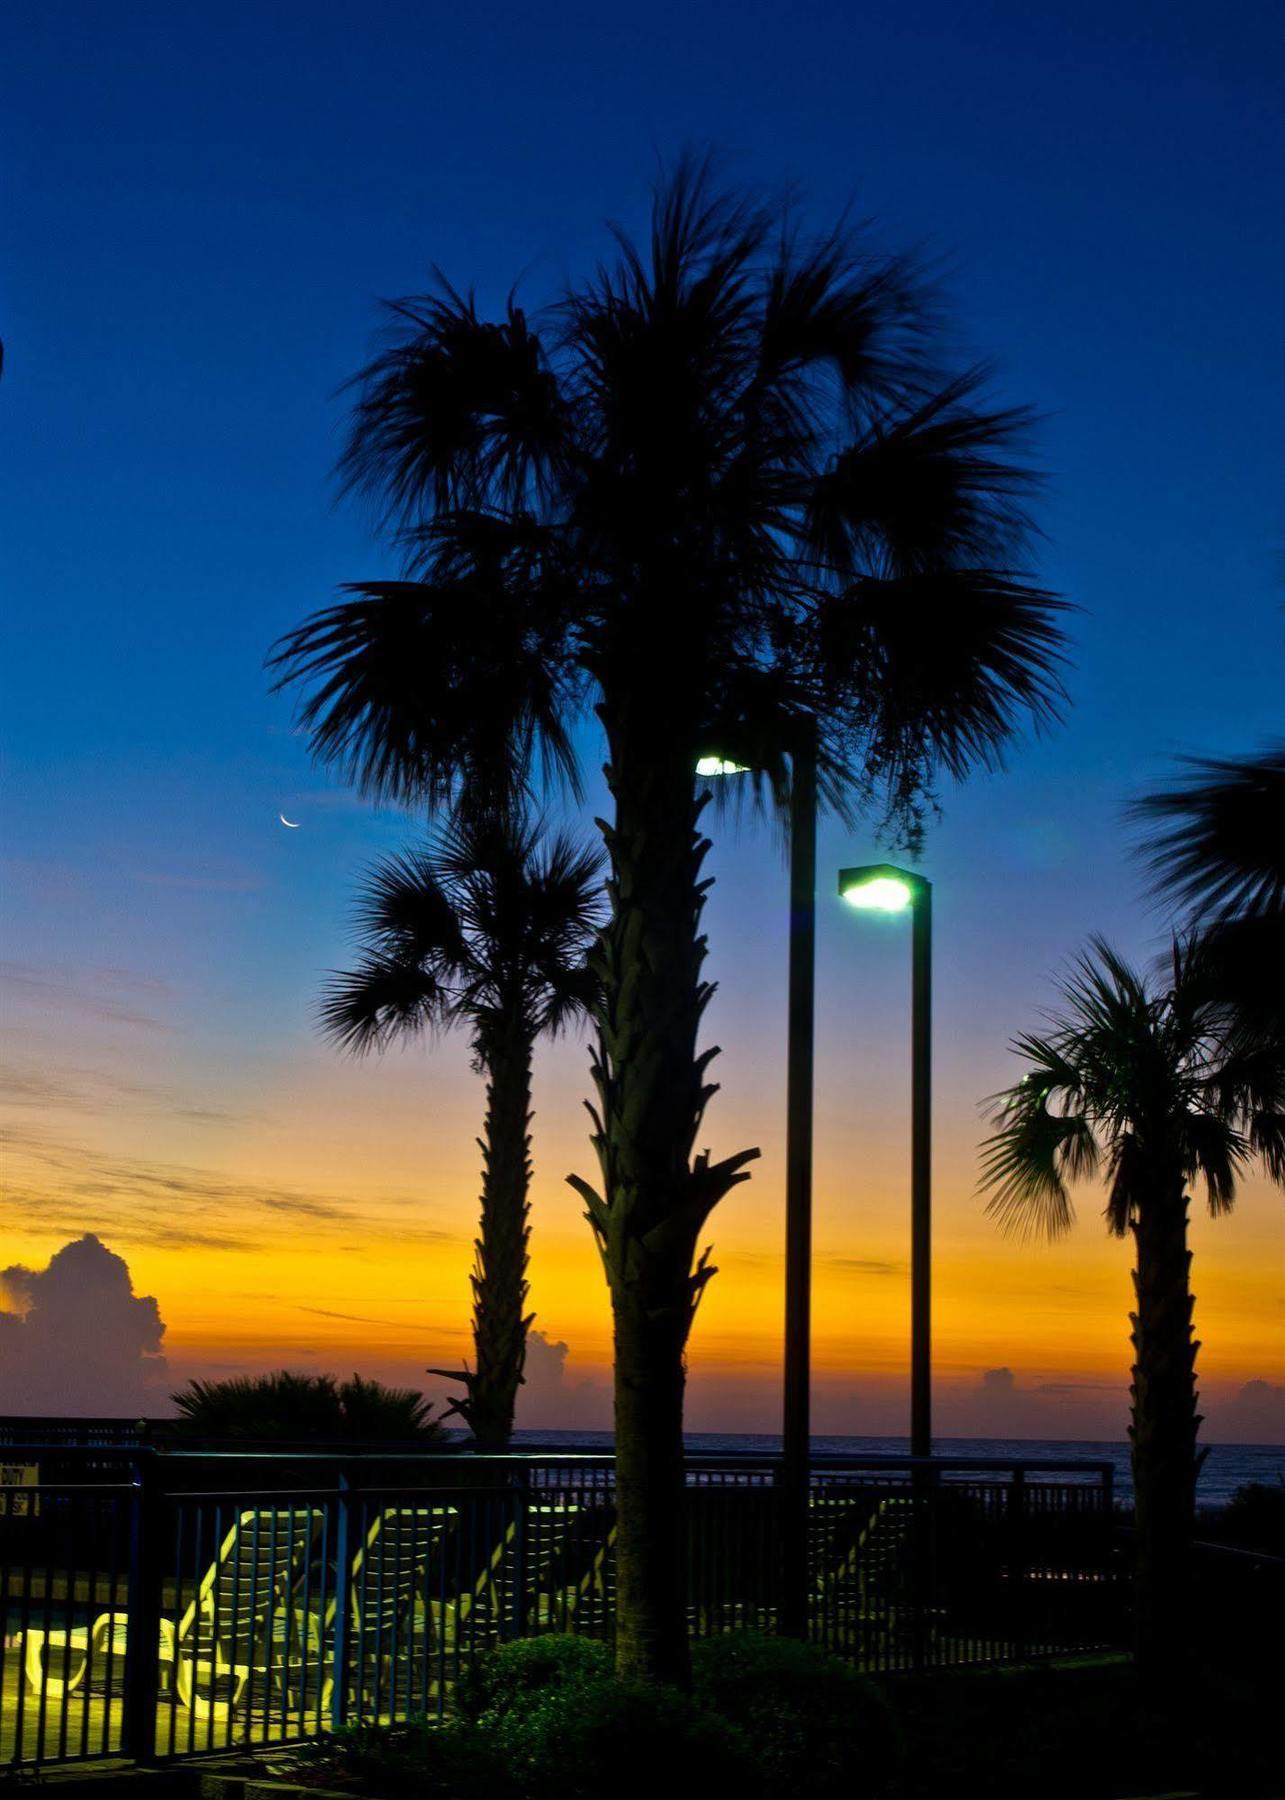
x: 214, y: 1601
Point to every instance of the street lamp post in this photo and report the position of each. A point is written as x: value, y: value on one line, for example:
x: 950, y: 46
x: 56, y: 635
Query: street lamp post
x: 881, y: 888
x: 796, y: 1429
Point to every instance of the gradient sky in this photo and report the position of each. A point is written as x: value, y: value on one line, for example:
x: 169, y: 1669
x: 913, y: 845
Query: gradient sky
x: 201, y: 207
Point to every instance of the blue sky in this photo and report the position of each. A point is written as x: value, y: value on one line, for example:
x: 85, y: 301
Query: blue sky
x: 201, y: 208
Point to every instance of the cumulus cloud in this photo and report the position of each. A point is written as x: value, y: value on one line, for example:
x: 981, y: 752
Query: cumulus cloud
x: 549, y: 1400
x: 1253, y: 1415
x: 76, y: 1339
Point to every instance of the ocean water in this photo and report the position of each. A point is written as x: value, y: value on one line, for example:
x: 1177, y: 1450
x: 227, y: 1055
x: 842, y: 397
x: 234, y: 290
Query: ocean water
x: 1226, y: 1466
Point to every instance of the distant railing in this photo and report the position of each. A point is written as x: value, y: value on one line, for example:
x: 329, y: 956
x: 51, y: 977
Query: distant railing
x: 217, y: 1600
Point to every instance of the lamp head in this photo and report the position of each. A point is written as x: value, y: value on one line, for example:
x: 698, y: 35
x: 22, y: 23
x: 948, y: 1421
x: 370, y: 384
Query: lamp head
x: 881, y: 887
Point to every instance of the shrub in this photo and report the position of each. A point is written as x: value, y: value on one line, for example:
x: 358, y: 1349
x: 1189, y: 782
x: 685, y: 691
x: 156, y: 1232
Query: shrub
x: 421, y: 1760
x: 594, y: 1735
x: 812, y: 1723
x: 496, y: 1682
x: 1254, y: 1518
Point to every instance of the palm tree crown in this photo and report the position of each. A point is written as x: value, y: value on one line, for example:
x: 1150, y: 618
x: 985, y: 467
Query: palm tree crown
x: 732, y: 451
x: 486, y: 927
x: 1148, y: 1085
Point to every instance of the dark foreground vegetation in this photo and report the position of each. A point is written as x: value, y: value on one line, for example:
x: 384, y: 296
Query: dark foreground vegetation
x: 769, y: 1717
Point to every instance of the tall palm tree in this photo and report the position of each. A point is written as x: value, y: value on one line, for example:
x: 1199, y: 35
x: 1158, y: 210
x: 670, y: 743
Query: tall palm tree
x: 487, y: 928
x: 723, y: 488
x: 1146, y: 1085
x: 1218, y: 854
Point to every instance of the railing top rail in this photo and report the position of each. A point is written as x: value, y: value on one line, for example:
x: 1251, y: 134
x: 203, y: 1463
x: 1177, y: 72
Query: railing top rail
x: 574, y: 1460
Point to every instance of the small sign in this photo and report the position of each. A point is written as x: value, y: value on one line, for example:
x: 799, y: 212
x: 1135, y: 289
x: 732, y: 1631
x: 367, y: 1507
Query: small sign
x: 15, y: 1501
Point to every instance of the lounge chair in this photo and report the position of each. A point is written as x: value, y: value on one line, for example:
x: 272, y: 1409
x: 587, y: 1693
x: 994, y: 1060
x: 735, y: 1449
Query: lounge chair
x: 232, y: 1629
x: 388, y: 1585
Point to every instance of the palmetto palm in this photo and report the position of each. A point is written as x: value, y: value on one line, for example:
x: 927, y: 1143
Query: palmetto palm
x: 719, y: 489
x: 1219, y: 855
x: 489, y: 929
x: 1147, y: 1085
x: 289, y: 1407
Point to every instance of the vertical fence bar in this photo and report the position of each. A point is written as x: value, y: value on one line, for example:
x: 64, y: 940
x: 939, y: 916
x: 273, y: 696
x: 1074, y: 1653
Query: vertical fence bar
x: 143, y: 1632
x: 343, y: 1603
x: 1017, y: 1501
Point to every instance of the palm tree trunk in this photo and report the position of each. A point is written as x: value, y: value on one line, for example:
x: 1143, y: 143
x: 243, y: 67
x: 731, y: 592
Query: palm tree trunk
x: 655, y: 1201
x: 500, y: 1288
x: 1163, y: 1434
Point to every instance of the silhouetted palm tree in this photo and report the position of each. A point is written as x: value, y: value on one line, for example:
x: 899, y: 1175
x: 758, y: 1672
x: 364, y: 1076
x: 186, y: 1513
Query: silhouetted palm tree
x: 1219, y: 855
x: 1146, y: 1085
x: 721, y: 490
x: 489, y: 929
x: 288, y: 1407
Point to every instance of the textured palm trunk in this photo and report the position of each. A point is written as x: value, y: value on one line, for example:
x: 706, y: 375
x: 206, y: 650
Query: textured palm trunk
x: 1163, y: 1434
x: 500, y: 1321
x: 655, y: 1199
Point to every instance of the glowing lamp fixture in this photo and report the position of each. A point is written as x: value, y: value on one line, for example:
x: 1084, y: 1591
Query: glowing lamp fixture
x: 720, y: 765
x: 881, y: 893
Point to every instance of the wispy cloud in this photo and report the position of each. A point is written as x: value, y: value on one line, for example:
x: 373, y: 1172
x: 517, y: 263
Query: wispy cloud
x: 323, y: 1312
x: 86, y: 1090
x: 90, y: 995
x: 860, y: 1265
x: 73, y: 1188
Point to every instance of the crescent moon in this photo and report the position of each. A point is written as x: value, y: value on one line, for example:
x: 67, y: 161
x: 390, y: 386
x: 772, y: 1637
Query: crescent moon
x: 290, y: 824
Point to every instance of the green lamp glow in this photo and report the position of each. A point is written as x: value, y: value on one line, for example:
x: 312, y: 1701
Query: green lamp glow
x: 883, y: 894
x: 720, y: 765
x: 880, y: 887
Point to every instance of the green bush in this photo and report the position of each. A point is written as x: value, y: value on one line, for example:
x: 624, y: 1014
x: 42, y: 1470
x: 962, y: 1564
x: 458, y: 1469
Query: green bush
x: 1254, y: 1518
x: 594, y: 1735
x: 546, y: 1719
x: 496, y: 1682
x: 812, y: 1723
x: 421, y: 1760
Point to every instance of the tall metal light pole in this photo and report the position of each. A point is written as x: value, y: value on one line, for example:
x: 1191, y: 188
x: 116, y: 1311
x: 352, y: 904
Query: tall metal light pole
x: 796, y: 1423
x: 796, y: 1427
x: 881, y: 888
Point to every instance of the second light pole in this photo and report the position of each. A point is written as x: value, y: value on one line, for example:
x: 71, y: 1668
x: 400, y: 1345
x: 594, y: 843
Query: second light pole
x: 879, y: 887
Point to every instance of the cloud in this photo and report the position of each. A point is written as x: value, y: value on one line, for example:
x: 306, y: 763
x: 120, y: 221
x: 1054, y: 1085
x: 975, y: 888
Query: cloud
x: 1253, y: 1415
x: 168, y: 1205
x: 998, y: 1381
x: 77, y: 1339
x: 860, y: 1265
x: 90, y: 996
x: 549, y: 1400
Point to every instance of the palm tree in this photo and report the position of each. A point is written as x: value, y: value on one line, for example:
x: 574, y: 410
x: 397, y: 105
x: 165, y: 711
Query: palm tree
x: 1219, y: 855
x: 291, y: 1407
x: 488, y: 928
x: 1148, y: 1086
x: 721, y: 491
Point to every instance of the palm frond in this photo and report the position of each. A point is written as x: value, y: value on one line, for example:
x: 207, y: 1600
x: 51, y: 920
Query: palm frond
x: 384, y: 998
x: 941, y: 666
x: 1028, y: 1162
x: 1217, y: 844
x: 454, y: 409
x: 430, y: 691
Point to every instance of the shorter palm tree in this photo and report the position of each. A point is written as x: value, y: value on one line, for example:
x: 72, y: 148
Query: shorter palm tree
x: 490, y: 929
x: 290, y: 1407
x: 1148, y: 1085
